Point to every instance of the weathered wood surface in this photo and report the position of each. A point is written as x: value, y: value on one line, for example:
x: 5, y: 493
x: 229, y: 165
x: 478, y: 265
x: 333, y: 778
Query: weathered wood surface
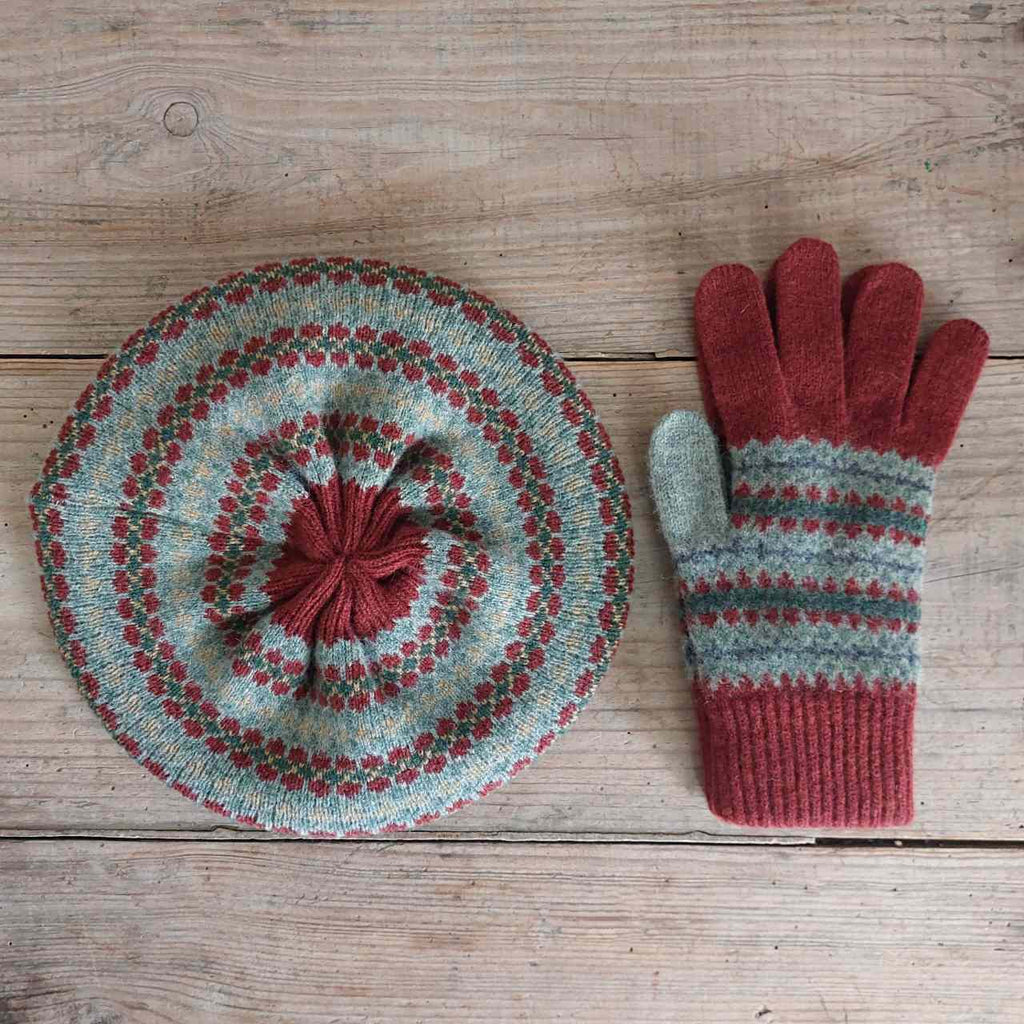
x: 630, y: 766
x: 584, y: 162
x: 320, y: 933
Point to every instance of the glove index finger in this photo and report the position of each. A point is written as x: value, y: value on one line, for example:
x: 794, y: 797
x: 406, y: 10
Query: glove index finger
x: 688, y: 482
x: 737, y: 352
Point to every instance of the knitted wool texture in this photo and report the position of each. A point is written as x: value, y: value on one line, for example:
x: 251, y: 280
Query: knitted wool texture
x: 334, y: 547
x: 800, y: 557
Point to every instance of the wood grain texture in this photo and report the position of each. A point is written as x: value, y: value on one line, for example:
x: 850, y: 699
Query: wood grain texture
x: 582, y: 162
x: 314, y: 933
x: 630, y: 766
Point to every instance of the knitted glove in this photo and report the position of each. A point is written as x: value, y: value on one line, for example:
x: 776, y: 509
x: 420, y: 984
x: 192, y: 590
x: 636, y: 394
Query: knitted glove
x: 800, y: 558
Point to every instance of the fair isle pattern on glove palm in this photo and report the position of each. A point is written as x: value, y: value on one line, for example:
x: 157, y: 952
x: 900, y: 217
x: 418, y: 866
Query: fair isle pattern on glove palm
x: 800, y: 559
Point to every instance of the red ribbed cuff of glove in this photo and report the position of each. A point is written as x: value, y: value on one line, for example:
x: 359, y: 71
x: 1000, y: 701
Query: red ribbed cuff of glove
x: 808, y: 756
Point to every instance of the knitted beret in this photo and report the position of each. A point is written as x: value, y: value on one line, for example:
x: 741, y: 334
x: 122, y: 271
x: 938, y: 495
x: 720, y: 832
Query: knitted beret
x: 333, y: 546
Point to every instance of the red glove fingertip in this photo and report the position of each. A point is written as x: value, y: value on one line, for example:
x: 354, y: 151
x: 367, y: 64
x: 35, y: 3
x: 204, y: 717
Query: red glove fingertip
x: 809, y: 327
x: 880, y: 344
x: 736, y: 346
x: 941, y: 389
x: 851, y: 289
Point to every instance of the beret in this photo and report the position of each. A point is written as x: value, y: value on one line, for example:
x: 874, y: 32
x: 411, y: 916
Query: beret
x: 334, y: 547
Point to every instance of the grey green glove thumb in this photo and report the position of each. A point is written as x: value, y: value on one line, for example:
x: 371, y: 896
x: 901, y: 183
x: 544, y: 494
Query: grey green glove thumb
x: 689, y: 483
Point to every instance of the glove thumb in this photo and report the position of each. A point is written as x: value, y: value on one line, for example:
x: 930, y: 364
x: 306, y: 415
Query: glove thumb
x: 688, y: 482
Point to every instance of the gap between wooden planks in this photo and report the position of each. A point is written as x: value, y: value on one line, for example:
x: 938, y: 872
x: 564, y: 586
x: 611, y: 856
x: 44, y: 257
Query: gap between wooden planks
x: 630, y: 766
x: 329, y: 933
x: 587, y: 161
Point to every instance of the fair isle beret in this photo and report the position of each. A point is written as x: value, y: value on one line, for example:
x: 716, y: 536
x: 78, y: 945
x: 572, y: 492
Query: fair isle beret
x: 334, y: 547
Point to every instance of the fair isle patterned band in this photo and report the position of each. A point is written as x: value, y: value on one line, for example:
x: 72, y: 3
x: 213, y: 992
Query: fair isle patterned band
x: 802, y: 633
x: 334, y: 547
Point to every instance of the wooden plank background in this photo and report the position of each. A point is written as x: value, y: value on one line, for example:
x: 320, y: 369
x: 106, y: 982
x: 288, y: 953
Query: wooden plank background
x: 631, y: 764
x: 322, y: 933
x: 583, y: 162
